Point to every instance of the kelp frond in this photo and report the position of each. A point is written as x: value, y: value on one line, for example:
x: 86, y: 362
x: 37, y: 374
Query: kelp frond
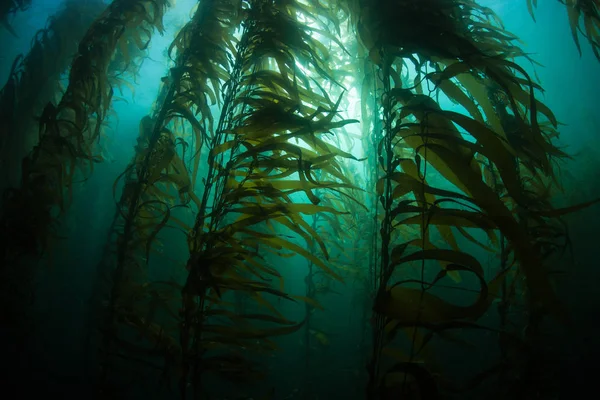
x: 33, y: 82
x: 488, y: 155
x: 69, y: 130
x: 269, y: 102
x: 584, y: 20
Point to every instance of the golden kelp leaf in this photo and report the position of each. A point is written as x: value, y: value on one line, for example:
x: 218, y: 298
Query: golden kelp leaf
x: 300, y: 226
x: 410, y: 167
x: 455, y: 93
x: 429, y: 151
x: 574, y: 13
x: 452, y: 256
x: 223, y: 147
x: 529, y: 101
x: 469, y: 237
x: 495, y: 149
x: 251, y: 287
x: 478, y: 90
x: 320, y: 336
x: 530, y: 6
x: 448, y: 236
x: 310, y: 301
x: 529, y: 258
x: 306, y: 254
x: 416, y: 307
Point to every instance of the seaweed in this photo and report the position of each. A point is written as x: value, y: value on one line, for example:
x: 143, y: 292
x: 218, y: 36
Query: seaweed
x: 241, y: 194
x: 459, y: 49
x: 244, y: 163
x: 68, y: 131
x: 32, y: 83
x: 10, y: 7
x: 584, y: 20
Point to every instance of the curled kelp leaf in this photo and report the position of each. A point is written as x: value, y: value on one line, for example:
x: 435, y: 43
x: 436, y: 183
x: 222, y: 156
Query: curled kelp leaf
x: 414, y: 306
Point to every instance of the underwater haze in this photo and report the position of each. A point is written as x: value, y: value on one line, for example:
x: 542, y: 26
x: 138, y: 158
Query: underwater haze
x: 299, y: 199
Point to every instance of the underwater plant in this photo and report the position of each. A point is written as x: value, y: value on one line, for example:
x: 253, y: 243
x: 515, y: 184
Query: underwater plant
x: 247, y: 162
x: 459, y: 49
x: 248, y: 158
x: 10, y: 7
x: 68, y: 131
x: 41, y: 166
x: 580, y: 12
x: 33, y: 82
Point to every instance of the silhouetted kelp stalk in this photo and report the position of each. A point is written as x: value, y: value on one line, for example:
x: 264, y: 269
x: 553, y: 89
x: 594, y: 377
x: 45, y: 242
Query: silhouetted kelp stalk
x: 451, y: 46
x: 310, y: 293
x: 580, y: 12
x: 336, y: 231
x: 11, y: 7
x: 69, y: 131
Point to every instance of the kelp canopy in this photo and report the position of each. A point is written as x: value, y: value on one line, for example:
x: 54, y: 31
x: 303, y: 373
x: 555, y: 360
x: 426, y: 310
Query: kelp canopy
x: 254, y: 153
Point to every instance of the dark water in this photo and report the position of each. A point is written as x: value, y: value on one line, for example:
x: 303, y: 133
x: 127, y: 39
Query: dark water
x: 57, y: 358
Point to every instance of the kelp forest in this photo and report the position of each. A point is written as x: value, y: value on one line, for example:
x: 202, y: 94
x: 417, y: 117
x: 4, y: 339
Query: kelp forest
x: 306, y: 199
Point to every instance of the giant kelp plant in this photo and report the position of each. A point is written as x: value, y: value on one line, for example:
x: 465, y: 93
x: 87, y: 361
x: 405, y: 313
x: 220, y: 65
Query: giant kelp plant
x: 34, y: 81
x: 68, y: 131
x: 251, y: 157
x: 450, y: 53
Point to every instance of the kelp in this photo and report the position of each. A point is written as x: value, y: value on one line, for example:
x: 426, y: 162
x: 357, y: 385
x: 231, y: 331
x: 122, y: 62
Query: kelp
x: 584, y: 20
x: 242, y: 193
x: 346, y: 246
x: 34, y: 81
x: 68, y: 131
x: 11, y: 7
x: 241, y: 152
x: 159, y: 176
x: 489, y: 158
x: 252, y: 141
